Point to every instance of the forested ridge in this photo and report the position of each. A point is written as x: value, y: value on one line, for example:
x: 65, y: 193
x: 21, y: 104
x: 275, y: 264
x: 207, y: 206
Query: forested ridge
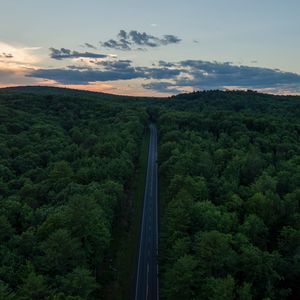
x: 229, y: 183
x: 230, y: 177
x: 65, y: 166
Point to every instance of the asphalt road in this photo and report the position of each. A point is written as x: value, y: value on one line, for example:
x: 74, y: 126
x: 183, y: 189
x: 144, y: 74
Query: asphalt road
x: 147, y: 268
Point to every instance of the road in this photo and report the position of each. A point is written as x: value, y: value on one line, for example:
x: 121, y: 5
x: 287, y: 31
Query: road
x: 147, y: 268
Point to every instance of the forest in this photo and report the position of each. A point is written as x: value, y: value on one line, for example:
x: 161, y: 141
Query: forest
x: 229, y: 187
x: 230, y: 177
x: 65, y: 166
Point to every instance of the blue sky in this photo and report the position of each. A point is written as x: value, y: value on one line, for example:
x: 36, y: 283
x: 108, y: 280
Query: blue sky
x: 211, y: 44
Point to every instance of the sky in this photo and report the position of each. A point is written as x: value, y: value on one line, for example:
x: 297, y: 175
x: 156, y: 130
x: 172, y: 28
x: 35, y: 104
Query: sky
x: 153, y: 47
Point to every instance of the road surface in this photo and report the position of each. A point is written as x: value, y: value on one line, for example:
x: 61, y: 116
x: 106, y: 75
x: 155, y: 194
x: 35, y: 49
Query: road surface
x: 147, y: 267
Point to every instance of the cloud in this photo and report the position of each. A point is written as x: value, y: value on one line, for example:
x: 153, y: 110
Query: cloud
x: 163, y: 63
x: 15, y: 63
x: 141, y: 72
x: 135, y: 40
x: 116, y: 65
x: 103, y: 71
x: 212, y: 75
x: 201, y: 75
x: 159, y: 73
x: 163, y: 87
x: 67, y: 76
x: 143, y: 39
x: 6, y: 55
x: 11, y: 77
x: 88, y: 45
x: 63, y: 53
x: 13, y: 56
x: 121, y: 44
x: 174, y: 77
x: 170, y: 39
x: 76, y: 67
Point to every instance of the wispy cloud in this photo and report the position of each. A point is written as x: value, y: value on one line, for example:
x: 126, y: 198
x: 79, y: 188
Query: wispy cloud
x: 15, y: 63
x: 17, y: 55
x: 135, y: 40
x: 6, y: 55
x: 88, y: 45
x: 63, y: 53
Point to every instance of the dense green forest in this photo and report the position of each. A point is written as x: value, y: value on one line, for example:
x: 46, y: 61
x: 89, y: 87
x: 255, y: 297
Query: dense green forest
x: 65, y: 166
x: 229, y: 180
x: 230, y: 193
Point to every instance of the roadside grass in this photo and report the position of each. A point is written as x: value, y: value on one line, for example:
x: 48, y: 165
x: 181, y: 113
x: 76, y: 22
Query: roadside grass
x: 126, y: 234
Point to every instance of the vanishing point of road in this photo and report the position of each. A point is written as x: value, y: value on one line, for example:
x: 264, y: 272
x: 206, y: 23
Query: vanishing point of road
x: 146, y: 285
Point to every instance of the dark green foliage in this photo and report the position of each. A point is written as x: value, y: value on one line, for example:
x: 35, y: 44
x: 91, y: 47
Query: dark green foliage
x: 229, y: 166
x: 230, y: 217
x: 65, y: 166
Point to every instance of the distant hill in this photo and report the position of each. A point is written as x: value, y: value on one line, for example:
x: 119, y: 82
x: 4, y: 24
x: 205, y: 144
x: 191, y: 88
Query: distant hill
x: 49, y: 90
x: 211, y: 100
x: 249, y: 102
